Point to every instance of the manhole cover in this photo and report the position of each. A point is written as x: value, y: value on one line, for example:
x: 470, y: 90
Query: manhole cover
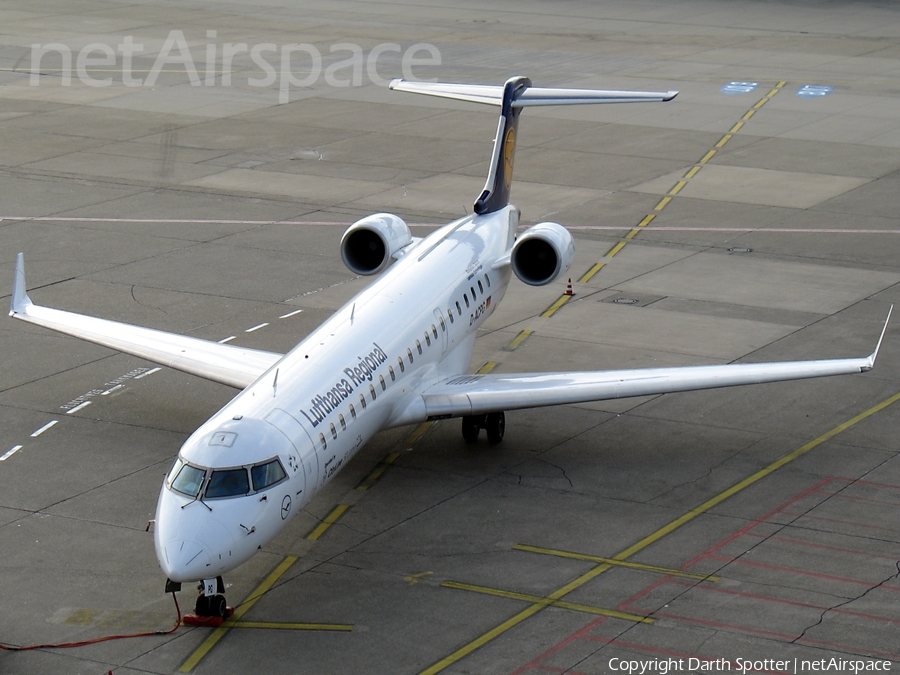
x: 740, y: 249
x: 626, y: 301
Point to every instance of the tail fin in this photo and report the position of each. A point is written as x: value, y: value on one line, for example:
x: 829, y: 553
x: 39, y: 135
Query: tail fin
x: 516, y: 94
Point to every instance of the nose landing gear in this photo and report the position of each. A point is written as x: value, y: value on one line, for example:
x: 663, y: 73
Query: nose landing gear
x: 210, y: 609
x: 493, y: 423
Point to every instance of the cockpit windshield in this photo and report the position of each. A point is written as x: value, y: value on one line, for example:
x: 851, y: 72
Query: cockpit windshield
x: 188, y: 479
x: 267, y: 474
x: 228, y: 483
x: 231, y: 482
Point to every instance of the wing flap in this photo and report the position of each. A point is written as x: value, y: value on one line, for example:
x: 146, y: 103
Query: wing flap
x: 235, y: 366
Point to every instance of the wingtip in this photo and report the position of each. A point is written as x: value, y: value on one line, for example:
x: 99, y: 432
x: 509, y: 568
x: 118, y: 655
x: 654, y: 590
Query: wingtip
x: 874, y: 354
x: 669, y: 96
x: 20, y: 299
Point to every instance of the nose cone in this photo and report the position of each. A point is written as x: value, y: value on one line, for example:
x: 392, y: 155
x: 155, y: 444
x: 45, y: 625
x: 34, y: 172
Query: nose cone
x: 183, y: 560
x: 191, y: 544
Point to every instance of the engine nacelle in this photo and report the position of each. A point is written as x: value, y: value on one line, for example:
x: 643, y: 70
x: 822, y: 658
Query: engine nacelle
x: 368, y: 245
x: 542, y: 253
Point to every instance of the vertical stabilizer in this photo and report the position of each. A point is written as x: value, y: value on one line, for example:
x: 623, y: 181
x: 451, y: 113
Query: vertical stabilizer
x: 495, y: 194
x: 516, y: 94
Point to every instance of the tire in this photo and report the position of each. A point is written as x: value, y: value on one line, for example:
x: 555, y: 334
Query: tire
x: 217, y: 606
x: 201, y: 607
x: 496, y: 427
x: 470, y: 429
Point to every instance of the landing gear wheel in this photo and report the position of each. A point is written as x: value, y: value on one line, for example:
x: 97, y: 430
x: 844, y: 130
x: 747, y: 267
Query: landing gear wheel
x: 213, y: 605
x: 470, y: 428
x: 495, y: 424
x: 218, y: 606
x: 210, y: 610
x: 201, y: 607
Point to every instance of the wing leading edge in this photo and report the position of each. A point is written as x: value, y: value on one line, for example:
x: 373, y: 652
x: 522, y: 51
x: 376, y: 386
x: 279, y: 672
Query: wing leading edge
x: 477, y: 394
x: 235, y: 366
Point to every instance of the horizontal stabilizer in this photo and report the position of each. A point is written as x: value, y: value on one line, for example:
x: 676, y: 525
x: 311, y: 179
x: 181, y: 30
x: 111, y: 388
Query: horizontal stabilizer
x: 529, y: 96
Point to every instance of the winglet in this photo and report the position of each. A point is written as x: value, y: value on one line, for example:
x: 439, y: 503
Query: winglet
x: 20, y: 299
x: 874, y: 354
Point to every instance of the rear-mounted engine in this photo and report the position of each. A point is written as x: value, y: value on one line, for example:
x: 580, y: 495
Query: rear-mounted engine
x: 542, y: 253
x: 368, y: 246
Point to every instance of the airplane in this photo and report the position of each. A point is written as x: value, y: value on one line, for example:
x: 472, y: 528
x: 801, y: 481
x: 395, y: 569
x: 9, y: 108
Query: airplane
x: 396, y: 354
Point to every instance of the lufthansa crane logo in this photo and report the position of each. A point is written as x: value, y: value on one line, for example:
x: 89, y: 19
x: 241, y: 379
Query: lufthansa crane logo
x: 509, y: 147
x: 285, y: 506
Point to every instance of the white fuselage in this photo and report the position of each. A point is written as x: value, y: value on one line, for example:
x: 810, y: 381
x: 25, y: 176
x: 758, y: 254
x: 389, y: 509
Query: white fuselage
x: 358, y: 373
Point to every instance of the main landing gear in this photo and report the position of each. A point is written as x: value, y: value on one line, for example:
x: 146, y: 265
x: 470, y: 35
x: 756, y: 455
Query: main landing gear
x: 210, y: 608
x: 493, y: 423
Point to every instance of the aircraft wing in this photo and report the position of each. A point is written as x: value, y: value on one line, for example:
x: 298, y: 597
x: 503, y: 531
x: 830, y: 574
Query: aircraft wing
x: 478, y: 394
x: 227, y: 364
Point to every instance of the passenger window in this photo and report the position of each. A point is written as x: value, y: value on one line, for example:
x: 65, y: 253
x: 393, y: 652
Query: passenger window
x: 352, y: 411
x: 372, y: 391
x: 341, y: 420
x: 480, y: 287
x: 418, y: 346
x: 383, y: 385
x: 409, y: 354
x: 362, y: 401
x: 443, y: 325
x: 333, y: 430
x: 466, y: 298
x: 264, y: 475
x: 434, y: 330
x: 391, y: 371
x: 472, y: 288
x: 322, y: 440
x: 487, y: 280
x: 400, y: 362
x: 450, y: 314
x: 188, y: 480
x: 427, y: 339
x: 228, y: 483
x: 458, y: 308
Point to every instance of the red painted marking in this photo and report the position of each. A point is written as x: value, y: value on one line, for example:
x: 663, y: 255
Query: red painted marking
x: 767, y: 598
x: 793, y: 570
x: 814, y: 491
x: 854, y: 523
x: 839, y: 549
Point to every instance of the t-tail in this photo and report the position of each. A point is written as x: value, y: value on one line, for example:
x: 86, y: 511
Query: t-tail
x: 516, y: 94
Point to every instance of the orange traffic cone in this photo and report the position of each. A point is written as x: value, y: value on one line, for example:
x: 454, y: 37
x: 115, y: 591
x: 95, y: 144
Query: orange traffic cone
x: 569, y: 290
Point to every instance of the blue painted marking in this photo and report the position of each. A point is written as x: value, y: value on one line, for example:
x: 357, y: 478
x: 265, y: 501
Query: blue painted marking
x: 814, y: 90
x: 739, y: 88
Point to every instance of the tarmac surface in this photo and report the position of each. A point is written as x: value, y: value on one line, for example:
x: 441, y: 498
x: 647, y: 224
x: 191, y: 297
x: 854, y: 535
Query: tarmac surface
x: 753, y: 218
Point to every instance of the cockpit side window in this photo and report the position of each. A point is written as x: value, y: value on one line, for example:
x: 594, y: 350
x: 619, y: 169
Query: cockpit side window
x: 188, y: 480
x: 228, y: 483
x: 266, y: 475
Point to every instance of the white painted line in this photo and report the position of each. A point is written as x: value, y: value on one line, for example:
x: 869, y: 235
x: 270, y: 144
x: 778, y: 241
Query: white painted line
x: 10, y: 453
x: 44, y: 428
x: 63, y: 219
x: 262, y: 325
x: 149, y: 372
x: 285, y: 316
x: 228, y: 339
x: 109, y: 391
x: 78, y: 407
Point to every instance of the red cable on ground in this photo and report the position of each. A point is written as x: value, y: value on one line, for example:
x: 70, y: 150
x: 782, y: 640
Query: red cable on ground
x: 66, y: 645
